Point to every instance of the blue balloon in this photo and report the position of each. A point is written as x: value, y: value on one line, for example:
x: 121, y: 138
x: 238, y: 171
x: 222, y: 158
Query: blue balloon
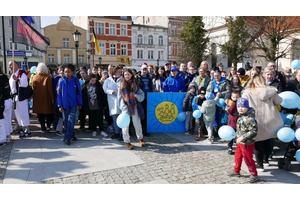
x: 295, y: 64
x: 297, y: 134
x: 30, y: 103
x: 289, y: 119
x: 123, y: 120
x: 33, y: 69
x: 181, y: 116
x: 297, y: 155
x: 286, y: 134
x: 221, y: 102
x: 290, y: 99
x: 197, y: 114
x: 283, y: 117
x: 226, y: 132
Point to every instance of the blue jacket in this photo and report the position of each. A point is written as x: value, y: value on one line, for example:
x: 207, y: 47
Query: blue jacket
x: 62, y: 94
x: 174, y: 84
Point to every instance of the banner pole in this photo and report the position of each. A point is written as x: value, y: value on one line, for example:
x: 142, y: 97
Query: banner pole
x: 4, y: 47
x: 13, y: 45
x: 94, y: 43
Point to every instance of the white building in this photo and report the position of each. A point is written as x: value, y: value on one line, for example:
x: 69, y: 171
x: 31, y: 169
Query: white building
x: 149, y: 44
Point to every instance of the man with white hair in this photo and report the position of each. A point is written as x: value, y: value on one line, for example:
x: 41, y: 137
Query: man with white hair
x: 19, y: 88
x: 278, y: 75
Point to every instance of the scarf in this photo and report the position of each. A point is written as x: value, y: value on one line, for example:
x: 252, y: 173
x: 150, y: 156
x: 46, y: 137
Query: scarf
x: 218, y: 85
x: 201, y: 82
x: 128, y: 95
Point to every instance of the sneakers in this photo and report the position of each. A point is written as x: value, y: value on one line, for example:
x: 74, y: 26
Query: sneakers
x: 260, y: 168
x: 104, y: 134
x: 67, y: 142
x: 94, y: 134
x: 128, y: 145
x: 209, y: 140
x: 16, y: 126
x: 229, y: 151
x: 266, y: 163
x: 114, y: 136
x: 197, y: 138
x: 25, y: 134
x: 48, y: 129
x: 233, y: 173
x: 2, y: 144
x: 110, y: 129
x: 59, y: 133
x: 187, y: 132
x: 142, y: 142
x: 253, y: 179
x: 74, y: 138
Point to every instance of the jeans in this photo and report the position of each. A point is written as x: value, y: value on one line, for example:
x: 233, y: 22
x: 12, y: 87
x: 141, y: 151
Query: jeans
x: 57, y: 115
x: 69, y: 122
x: 117, y: 129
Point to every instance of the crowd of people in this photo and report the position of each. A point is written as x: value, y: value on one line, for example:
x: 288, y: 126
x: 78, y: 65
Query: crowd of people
x: 104, y: 94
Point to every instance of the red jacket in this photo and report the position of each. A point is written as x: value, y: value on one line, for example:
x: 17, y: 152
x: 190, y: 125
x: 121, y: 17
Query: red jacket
x: 233, y: 115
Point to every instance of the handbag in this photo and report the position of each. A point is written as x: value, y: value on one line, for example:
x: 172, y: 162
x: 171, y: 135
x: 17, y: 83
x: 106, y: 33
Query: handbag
x: 141, y: 110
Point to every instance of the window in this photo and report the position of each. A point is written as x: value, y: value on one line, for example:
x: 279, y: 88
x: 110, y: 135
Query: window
x: 51, y: 58
x: 140, y: 39
x: 66, y: 58
x: 160, y: 40
x: 0, y: 44
x: 123, y: 49
x: 112, y: 49
x: 174, y: 49
x: 150, y: 39
x: 9, y: 22
x: 213, y: 55
x: 29, y: 48
x: 102, y: 48
x: 81, y: 58
x: 112, y: 29
x: 140, y: 54
x: 174, y: 31
x: 160, y: 55
x: 66, y: 42
x: 150, y: 54
x: 99, y: 28
x: 296, y: 50
x: 123, y: 30
x: 10, y: 44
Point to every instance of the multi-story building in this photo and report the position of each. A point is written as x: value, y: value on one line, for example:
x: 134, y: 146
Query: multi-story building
x: 149, y: 44
x: 175, y: 25
x: 21, y: 51
x: 62, y: 49
x: 113, y: 34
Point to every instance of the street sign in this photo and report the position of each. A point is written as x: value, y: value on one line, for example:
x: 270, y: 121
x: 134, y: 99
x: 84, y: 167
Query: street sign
x: 16, y: 53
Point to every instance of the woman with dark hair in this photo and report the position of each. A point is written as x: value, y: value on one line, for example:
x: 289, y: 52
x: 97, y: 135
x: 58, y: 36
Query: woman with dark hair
x: 128, y: 94
x: 110, y: 87
x: 158, y: 81
x: 6, y: 101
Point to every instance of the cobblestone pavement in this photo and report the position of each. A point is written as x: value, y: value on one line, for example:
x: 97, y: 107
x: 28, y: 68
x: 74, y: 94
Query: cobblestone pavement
x: 165, y: 159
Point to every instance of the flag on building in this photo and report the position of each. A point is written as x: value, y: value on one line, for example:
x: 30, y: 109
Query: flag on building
x: 94, y: 39
x: 28, y: 19
x: 127, y: 60
x: 23, y: 33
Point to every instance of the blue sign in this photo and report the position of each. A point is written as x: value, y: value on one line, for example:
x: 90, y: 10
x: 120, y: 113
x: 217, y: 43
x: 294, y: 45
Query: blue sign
x: 163, y: 109
x: 16, y: 53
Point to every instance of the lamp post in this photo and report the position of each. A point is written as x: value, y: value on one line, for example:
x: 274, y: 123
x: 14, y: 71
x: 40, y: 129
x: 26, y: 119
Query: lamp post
x: 88, y: 52
x: 25, y: 62
x: 100, y: 59
x: 157, y: 62
x: 76, y: 36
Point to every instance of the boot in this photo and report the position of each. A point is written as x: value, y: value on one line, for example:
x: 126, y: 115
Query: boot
x: 197, y: 137
x: 203, y: 136
x: 128, y: 145
x: 142, y: 142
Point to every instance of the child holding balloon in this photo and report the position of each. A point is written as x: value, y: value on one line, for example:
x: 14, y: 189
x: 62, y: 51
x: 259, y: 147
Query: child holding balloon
x: 199, y: 121
x: 208, y: 110
x: 246, y: 131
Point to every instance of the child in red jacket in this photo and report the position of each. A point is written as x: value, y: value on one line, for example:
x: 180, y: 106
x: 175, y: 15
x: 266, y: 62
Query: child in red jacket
x: 233, y: 115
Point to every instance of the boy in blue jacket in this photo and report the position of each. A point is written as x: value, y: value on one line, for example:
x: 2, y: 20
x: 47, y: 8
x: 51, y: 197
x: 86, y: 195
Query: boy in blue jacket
x: 174, y: 83
x: 68, y: 98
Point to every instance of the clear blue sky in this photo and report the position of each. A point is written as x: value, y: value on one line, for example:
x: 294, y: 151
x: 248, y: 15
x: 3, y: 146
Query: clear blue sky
x: 48, y: 20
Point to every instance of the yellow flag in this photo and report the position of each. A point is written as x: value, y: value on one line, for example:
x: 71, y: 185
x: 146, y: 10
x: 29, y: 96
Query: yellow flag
x: 94, y: 39
x: 127, y: 60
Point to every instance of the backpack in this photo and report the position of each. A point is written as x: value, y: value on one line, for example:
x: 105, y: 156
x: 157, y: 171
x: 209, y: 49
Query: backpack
x: 23, y: 93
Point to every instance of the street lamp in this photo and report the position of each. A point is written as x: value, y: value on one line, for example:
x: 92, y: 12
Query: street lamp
x: 157, y: 62
x: 100, y: 59
x: 25, y: 62
x: 88, y: 52
x: 76, y: 36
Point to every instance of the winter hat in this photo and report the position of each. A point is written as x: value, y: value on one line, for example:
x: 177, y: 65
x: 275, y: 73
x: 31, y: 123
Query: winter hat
x: 202, y: 90
x: 241, y: 71
x: 242, y: 102
x: 192, y: 85
x: 143, y: 67
x: 209, y: 96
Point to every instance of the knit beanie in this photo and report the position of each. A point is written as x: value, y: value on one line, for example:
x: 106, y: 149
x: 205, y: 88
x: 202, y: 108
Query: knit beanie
x: 242, y: 102
x: 209, y: 96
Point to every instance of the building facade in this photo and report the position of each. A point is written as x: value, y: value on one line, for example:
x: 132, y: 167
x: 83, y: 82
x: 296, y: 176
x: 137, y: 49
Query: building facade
x: 21, y: 51
x: 113, y: 34
x: 149, y: 44
x: 175, y: 25
x: 62, y: 49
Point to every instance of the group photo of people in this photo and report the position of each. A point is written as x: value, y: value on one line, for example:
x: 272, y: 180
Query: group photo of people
x: 95, y: 98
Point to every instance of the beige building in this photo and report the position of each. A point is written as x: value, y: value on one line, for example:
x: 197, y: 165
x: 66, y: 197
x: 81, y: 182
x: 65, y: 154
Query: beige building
x: 62, y: 49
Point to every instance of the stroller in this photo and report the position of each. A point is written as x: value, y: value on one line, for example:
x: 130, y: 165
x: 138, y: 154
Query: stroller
x: 289, y: 155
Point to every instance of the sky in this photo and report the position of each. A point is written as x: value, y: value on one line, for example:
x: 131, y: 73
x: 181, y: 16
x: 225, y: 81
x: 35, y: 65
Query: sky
x: 49, y: 20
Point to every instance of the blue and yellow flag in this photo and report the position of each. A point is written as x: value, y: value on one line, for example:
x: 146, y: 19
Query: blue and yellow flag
x: 94, y: 39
